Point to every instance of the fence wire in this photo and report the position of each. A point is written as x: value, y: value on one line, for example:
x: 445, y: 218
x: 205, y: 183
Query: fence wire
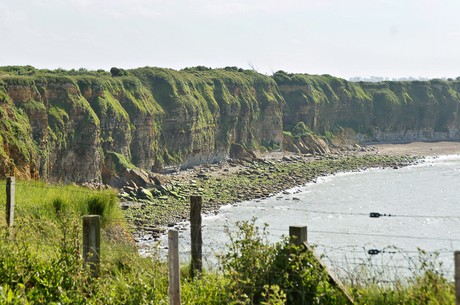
x: 376, y: 264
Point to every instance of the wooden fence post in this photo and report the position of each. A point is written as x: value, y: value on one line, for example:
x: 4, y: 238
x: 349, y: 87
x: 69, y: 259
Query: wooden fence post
x: 92, y: 243
x: 174, y: 268
x: 196, y: 239
x: 457, y: 277
x: 10, y: 200
x: 297, y: 235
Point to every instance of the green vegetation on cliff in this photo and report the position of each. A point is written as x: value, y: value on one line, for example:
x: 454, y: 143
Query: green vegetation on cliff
x: 394, y: 111
x: 154, y: 117
x: 60, y: 125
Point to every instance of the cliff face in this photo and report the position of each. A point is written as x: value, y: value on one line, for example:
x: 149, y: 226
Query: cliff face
x: 79, y: 126
x: 386, y: 111
x: 48, y: 130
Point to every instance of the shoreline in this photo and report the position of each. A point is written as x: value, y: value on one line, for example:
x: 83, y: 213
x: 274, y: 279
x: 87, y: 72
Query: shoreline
x: 237, y: 180
x: 425, y: 148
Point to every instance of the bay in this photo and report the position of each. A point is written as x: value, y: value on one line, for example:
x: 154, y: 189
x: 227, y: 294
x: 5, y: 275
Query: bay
x: 423, y: 201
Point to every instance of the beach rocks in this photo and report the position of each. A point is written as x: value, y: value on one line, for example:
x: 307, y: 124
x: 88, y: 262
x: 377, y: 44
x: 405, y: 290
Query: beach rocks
x: 307, y: 144
x: 133, y: 177
x: 167, y: 200
x: 238, y: 151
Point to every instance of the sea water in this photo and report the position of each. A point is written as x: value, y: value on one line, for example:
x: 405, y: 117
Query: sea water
x: 423, y: 201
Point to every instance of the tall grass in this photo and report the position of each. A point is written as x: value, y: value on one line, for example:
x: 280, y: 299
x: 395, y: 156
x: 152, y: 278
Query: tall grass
x: 41, y: 263
x: 38, y: 200
x: 426, y: 285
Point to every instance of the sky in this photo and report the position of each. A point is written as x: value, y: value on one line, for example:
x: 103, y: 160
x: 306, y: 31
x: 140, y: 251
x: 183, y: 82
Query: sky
x: 344, y: 38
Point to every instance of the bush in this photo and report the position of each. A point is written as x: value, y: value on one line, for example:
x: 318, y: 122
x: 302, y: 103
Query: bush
x: 300, y: 130
x: 264, y: 273
x: 427, y: 285
x: 102, y: 205
x: 118, y: 72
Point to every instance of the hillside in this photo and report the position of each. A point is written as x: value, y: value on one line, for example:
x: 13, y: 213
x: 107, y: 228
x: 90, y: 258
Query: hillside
x: 77, y: 126
x: 384, y: 111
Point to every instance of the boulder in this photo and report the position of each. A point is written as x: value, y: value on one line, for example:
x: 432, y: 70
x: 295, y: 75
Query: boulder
x: 289, y: 145
x: 316, y: 144
x: 135, y: 177
x: 157, y: 180
x: 238, y: 151
x: 143, y: 193
x: 140, y: 177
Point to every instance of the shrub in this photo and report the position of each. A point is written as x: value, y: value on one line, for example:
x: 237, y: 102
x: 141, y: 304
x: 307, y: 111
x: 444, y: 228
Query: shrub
x: 300, y: 130
x: 117, y: 72
x: 264, y: 273
x: 60, y: 206
x: 102, y: 205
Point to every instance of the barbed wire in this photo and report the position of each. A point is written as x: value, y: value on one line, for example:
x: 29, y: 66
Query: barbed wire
x: 367, y: 260
x: 222, y: 228
x: 372, y: 214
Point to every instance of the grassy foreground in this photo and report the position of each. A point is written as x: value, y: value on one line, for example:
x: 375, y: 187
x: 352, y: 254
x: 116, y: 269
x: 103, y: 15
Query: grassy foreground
x: 40, y: 261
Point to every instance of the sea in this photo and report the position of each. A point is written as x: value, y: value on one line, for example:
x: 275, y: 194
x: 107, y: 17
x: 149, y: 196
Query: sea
x: 415, y: 223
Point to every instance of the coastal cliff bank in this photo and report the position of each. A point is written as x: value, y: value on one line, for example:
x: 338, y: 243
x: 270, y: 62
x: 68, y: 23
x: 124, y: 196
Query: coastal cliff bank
x: 79, y: 126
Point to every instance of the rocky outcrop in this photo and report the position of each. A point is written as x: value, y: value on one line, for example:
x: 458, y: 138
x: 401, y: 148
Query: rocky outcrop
x: 308, y: 144
x: 238, y: 151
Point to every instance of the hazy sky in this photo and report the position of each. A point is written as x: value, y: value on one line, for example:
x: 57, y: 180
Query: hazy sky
x: 389, y: 38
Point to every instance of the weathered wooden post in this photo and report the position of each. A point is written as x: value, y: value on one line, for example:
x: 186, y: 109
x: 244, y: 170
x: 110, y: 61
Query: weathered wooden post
x: 196, y: 203
x: 297, y: 235
x: 174, y: 268
x: 10, y: 200
x: 92, y: 243
x: 457, y: 277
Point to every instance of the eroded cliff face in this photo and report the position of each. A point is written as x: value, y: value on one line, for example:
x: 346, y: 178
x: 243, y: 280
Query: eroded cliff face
x: 386, y: 111
x: 78, y: 126
x: 75, y: 126
x: 48, y: 130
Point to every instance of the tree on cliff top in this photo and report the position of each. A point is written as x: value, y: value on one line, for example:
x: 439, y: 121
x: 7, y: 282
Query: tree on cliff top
x: 117, y: 72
